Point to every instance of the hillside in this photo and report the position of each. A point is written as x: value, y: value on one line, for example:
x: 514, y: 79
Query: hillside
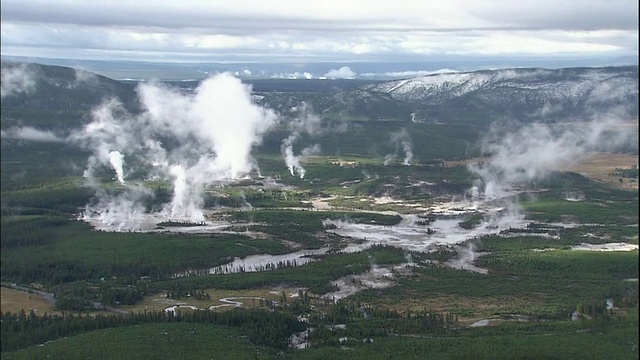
x: 473, y: 98
x: 64, y: 94
x: 481, y: 97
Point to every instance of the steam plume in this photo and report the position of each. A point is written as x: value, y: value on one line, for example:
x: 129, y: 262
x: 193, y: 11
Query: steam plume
x: 292, y: 161
x: 535, y: 150
x: 401, y: 139
x: 190, y: 140
x: 305, y: 122
x: 30, y: 134
x: 117, y: 161
x: 16, y: 79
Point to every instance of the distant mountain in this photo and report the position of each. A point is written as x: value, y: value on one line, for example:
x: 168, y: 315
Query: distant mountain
x: 515, y: 94
x: 478, y: 97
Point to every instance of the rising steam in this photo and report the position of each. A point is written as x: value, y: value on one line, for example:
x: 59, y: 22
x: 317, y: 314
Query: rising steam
x: 189, y: 140
x: 29, y: 133
x: 305, y: 122
x: 16, y: 78
x: 401, y: 140
x: 533, y: 151
x: 117, y: 161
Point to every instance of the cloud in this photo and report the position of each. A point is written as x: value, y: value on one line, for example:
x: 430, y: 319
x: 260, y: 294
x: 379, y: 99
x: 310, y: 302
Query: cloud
x: 16, y: 79
x: 332, y: 29
x: 332, y: 14
x: 407, y: 73
x: 570, y: 15
x: 243, y: 73
x: 30, y: 134
x: 293, y: 75
x: 342, y: 73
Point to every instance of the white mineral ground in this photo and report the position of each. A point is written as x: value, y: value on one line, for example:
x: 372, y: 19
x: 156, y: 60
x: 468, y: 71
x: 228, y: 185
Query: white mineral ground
x: 376, y: 278
x: 226, y: 302
x: 409, y: 234
x: 233, y: 301
x: 606, y: 247
x: 488, y: 322
x: 445, y: 230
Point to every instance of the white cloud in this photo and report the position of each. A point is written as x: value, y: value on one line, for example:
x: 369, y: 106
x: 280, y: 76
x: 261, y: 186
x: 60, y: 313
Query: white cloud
x: 408, y: 73
x: 30, y: 134
x: 16, y: 79
x: 293, y: 75
x: 331, y: 29
x: 344, y: 72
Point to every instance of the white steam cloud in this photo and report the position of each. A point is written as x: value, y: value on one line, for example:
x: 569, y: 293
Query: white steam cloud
x: 308, y: 123
x: 16, y: 79
x: 120, y: 212
x: 312, y: 150
x: 191, y: 140
x: 534, y: 151
x: 401, y: 139
x: 116, y: 159
x: 292, y: 161
x: 30, y: 134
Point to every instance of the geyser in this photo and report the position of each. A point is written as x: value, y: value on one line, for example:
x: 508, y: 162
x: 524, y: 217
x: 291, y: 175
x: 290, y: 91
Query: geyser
x: 188, y: 140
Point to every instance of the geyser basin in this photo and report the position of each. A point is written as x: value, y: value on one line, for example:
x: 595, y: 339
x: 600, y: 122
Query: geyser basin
x: 152, y: 222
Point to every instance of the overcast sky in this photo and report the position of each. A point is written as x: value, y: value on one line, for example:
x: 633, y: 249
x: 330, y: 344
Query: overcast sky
x: 327, y: 30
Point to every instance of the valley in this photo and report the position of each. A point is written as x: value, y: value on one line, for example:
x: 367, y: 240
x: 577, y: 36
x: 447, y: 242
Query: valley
x: 281, y: 219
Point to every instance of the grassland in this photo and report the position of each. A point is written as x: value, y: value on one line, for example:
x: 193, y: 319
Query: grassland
x: 15, y: 300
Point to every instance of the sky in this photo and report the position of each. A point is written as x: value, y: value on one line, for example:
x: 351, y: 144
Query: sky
x: 315, y: 31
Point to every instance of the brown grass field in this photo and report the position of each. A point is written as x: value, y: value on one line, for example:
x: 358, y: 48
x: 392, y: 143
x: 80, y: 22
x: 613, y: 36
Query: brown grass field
x: 601, y: 166
x: 13, y: 301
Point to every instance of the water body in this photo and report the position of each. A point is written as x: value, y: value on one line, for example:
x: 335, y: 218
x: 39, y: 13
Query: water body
x: 255, y: 263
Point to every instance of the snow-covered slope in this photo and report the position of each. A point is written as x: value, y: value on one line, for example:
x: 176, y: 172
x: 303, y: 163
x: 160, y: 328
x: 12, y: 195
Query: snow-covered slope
x: 523, y: 93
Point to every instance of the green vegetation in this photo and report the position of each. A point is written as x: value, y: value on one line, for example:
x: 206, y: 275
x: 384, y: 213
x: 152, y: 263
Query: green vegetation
x: 537, y: 280
x: 610, y: 339
x: 540, y: 284
x: 71, y: 251
x: 315, y: 276
x: 261, y: 328
x: 472, y: 221
x: 172, y: 340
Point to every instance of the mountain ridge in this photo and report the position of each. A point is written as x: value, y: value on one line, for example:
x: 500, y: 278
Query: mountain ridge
x: 475, y: 97
x: 530, y: 93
